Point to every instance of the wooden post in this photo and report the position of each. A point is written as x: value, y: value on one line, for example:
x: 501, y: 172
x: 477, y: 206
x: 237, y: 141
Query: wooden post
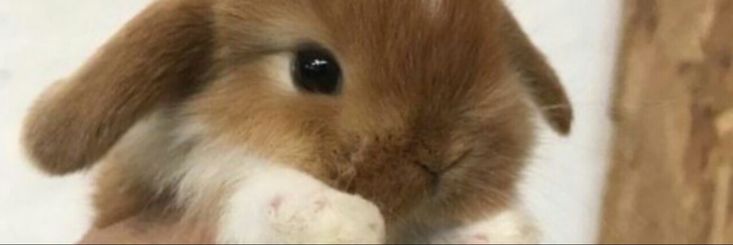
x: 670, y: 178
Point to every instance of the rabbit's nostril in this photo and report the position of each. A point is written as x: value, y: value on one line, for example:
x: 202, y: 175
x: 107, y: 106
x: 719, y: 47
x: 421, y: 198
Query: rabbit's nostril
x: 457, y: 161
x: 433, y: 177
x: 437, y: 169
x: 428, y: 168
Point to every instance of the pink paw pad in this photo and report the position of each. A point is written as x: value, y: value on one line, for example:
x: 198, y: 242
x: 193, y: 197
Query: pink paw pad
x: 479, y: 239
x: 276, y: 203
x: 321, y: 204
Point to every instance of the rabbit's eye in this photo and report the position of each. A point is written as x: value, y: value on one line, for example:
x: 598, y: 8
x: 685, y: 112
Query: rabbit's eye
x: 316, y: 71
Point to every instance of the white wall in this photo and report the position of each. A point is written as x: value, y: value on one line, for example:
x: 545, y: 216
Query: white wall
x: 43, y: 40
x: 565, y: 179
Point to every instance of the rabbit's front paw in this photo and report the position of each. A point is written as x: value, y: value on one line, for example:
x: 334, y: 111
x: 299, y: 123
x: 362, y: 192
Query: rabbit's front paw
x: 507, y: 227
x: 286, y: 206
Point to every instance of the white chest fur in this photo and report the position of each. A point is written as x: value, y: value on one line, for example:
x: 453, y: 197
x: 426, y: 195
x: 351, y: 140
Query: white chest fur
x: 258, y: 201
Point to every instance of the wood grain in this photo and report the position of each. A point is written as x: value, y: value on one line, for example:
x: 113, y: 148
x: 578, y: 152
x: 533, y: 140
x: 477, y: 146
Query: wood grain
x: 670, y: 179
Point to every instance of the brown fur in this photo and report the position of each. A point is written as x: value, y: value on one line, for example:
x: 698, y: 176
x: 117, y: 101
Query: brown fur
x: 74, y: 125
x: 433, y: 124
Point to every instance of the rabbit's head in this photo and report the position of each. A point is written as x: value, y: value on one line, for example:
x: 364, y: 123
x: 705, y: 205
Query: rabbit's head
x: 423, y: 107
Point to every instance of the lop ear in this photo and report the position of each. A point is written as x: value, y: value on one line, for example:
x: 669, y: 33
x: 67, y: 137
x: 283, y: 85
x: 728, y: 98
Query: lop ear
x: 538, y: 77
x: 156, y: 58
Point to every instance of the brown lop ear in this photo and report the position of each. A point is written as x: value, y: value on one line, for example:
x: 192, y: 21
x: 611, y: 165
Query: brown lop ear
x: 157, y: 57
x: 537, y: 76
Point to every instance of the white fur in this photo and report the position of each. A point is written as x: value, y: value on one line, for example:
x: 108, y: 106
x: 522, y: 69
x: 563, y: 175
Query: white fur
x: 507, y: 227
x: 279, y: 205
x: 259, y: 201
x: 265, y: 202
x: 279, y: 67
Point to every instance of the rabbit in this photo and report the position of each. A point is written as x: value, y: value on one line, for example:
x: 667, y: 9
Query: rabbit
x: 308, y: 121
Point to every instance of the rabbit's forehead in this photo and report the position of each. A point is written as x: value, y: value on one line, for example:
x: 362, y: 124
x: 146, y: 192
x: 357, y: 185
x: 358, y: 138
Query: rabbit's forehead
x: 361, y: 29
x: 434, y: 46
x: 439, y: 55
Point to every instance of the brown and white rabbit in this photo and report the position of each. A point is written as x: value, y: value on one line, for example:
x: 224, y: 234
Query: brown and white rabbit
x: 308, y: 121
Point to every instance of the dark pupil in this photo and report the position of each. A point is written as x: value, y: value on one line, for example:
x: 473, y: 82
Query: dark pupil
x: 316, y: 71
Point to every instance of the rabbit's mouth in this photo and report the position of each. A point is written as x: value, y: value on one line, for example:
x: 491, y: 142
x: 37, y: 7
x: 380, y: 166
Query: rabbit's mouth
x: 455, y: 162
x: 437, y: 170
